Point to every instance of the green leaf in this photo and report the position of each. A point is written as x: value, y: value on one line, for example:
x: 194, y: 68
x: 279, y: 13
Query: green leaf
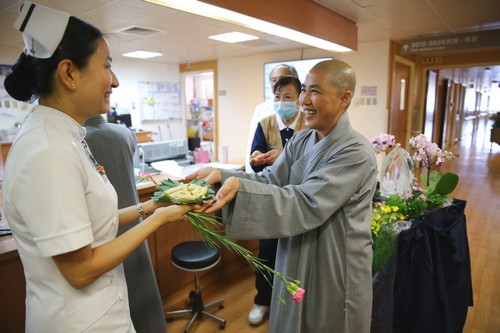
x: 167, y: 184
x: 423, y: 179
x: 434, y: 178
x: 446, y: 183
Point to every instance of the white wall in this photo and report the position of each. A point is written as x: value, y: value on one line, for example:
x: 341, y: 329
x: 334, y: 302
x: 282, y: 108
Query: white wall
x: 242, y: 78
x: 129, y: 73
x: 371, y: 64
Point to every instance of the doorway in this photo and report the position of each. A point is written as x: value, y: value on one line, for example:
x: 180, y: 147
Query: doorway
x: 401, y: 100
x: 198, y: 84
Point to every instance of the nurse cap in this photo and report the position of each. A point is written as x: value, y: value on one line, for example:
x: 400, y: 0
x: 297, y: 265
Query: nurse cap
x: 42, y: 28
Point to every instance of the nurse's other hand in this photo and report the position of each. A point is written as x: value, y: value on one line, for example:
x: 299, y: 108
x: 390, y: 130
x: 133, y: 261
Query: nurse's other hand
x: 173, y: 213
x: 225, y: 194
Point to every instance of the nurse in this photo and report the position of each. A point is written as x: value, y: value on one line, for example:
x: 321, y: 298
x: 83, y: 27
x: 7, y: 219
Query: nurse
x: 58, y: 200
x: 316, y: 199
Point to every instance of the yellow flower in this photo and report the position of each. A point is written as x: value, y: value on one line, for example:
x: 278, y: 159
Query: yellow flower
x: 385, y: 209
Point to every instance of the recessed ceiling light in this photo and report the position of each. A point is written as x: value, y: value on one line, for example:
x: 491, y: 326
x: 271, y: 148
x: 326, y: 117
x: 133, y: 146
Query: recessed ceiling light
x: 142, y: 54
x: 233, y: 37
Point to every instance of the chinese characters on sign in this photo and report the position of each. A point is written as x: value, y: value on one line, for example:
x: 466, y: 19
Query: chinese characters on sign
x: 471, y: 40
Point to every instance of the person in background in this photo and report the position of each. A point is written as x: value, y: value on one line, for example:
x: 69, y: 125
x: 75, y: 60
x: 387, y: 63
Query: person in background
x: 272, y: 134
x: 316, y: 199
x: 263, y: 110
x: 266, y: 108
x: 61, y: 207
x: 113, y: 146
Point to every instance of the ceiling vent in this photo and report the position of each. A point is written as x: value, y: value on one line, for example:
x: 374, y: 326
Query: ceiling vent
x: 138, y: 31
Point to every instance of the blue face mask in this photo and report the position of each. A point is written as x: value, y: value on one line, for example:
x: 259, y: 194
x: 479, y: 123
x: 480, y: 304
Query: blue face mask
x: 286, y: 110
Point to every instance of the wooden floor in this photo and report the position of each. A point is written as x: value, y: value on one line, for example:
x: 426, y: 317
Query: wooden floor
x: 479, y: 172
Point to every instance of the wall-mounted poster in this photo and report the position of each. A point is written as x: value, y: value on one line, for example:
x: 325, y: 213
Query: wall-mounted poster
x: 160, y: 100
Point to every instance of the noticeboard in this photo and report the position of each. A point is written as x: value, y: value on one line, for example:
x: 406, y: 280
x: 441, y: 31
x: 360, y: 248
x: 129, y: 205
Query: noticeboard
x: 159, y: 100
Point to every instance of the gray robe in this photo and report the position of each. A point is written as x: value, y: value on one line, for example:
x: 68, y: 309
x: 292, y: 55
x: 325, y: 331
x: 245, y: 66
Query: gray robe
x: 113, y: 146
x: 317, y: 199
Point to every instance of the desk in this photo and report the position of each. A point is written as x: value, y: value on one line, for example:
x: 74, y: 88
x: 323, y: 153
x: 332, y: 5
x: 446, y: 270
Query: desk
x: 12, y: 284
x: 5, y: 147
x: 143, y: 137
x: 4, y: 151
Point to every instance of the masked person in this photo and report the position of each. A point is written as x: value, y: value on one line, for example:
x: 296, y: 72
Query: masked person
x: 274, y: 131
x: 271, y: 135
x: 266, y: 108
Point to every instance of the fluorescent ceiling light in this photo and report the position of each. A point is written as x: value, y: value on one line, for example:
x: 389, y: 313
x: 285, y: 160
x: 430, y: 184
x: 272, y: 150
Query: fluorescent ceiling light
x: 233, y: 37
x: 221, y: 14
x: 142, y: 54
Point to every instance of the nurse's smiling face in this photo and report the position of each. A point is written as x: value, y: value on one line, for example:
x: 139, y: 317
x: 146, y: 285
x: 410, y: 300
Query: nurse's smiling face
x: 97, y: 82
x: 322, y: 102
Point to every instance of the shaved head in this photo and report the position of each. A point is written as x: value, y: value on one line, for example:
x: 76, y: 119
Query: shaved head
x: 326, y: 95
x: 340, y: 74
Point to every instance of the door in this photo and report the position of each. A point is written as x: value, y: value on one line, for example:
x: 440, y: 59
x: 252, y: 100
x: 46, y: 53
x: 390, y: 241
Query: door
x: 198, y: 101
x: 400, y: 92
x: 441, y: 116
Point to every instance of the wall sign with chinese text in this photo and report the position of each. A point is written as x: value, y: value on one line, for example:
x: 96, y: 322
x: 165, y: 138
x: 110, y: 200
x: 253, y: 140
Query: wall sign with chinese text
x: 469, y: 40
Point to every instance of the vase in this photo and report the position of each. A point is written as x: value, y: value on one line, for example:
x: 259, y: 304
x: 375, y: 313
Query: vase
x: 396, y: 175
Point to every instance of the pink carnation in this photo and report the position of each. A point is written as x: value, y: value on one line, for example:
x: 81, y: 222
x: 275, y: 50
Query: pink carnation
x: 299, y: 295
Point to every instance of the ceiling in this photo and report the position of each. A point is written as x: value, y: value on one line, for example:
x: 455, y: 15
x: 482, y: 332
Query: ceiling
x: 182, y: 38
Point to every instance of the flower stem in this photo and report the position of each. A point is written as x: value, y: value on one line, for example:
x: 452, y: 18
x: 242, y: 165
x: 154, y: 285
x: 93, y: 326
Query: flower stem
x: 203, y: 223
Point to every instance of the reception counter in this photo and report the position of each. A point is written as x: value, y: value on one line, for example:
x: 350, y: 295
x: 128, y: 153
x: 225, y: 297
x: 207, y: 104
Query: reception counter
x: 169, y: 278
x: 12, y: 283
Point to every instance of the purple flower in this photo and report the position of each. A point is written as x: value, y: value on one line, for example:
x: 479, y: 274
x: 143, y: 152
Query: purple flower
x: 383, y: 142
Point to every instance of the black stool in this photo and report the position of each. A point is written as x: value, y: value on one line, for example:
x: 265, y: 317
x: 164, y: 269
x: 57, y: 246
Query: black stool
x: 196, y: 256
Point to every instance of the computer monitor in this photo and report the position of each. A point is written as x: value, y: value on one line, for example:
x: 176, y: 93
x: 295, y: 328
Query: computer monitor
x: 120, y: 119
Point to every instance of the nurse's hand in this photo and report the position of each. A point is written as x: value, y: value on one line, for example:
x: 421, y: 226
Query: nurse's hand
x: 208, y: 174
x: 174, y: 213
x: 225, y: 194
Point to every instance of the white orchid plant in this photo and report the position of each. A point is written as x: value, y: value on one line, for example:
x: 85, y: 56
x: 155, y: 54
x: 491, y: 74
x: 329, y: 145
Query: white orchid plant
x: 435, y: 186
